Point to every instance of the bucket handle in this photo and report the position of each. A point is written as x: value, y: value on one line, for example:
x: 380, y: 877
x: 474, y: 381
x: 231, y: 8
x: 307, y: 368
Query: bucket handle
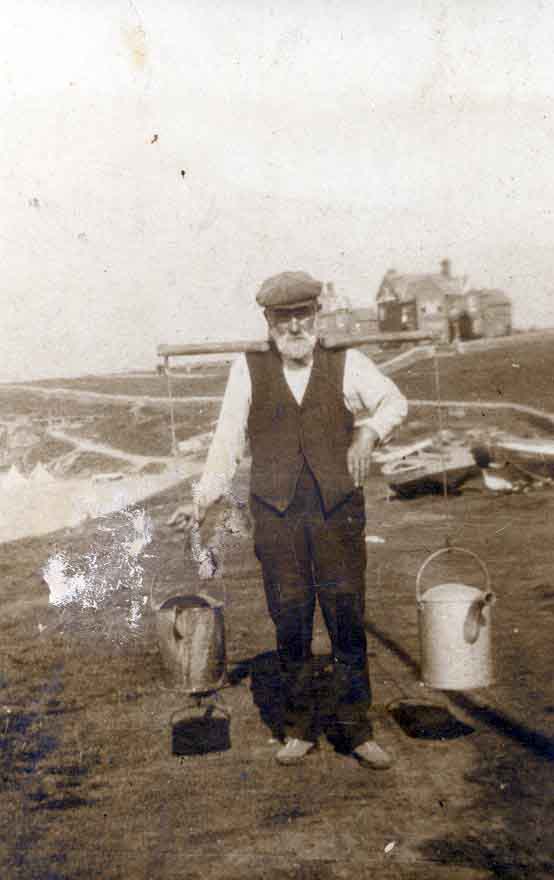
x: 441, y: 552
x: 213, y: 702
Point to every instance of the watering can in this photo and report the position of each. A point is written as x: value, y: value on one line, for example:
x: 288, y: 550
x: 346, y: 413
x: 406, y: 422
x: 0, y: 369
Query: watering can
x: 191, y: 638
x: 455, y: 630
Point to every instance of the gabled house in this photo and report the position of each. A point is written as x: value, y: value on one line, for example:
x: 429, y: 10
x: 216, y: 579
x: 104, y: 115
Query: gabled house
x: 441, y: 304
x: 430, y: 302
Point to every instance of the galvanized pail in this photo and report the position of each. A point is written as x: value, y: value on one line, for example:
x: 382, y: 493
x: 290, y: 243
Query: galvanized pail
x: 455, y: 631
x: 191, y: 638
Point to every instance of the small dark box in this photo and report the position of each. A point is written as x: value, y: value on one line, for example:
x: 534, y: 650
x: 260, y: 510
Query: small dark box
x: 201, y: 734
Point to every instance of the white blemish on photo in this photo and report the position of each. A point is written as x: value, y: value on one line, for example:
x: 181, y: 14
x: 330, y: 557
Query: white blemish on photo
x: 113, y: 566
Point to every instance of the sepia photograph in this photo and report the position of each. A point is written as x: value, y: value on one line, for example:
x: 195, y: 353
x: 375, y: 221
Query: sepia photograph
x: 277, y: 440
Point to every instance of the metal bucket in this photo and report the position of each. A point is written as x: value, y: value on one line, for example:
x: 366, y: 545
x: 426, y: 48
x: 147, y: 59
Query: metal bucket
x: 455, y: 631
x: 191, y: 638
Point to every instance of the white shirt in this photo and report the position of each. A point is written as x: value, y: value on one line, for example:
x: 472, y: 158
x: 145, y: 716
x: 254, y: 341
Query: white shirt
x: 371, y: 397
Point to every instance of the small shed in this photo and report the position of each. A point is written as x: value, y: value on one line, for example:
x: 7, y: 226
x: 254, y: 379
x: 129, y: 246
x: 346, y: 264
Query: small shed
x: 363, y: 322
x: 486, y: 313
x: 348, y: 322
x: 335, y: 322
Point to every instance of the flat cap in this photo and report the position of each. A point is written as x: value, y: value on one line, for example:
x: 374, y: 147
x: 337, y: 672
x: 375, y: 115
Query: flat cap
x: 288, y: 290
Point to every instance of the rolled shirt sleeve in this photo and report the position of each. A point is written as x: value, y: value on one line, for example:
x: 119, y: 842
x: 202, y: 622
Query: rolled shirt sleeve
x: 229, y: 440
x: 371, y: 396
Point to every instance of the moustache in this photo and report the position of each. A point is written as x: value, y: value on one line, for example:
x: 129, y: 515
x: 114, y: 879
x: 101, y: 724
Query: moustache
x: 298, y: 337
x: 297, y: 347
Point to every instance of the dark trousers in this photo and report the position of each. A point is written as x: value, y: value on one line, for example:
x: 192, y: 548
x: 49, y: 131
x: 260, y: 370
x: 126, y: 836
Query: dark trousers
x: 305, y: 555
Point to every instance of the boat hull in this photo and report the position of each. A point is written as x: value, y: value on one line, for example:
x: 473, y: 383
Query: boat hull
x: 533, y: 458
x: 430, y: 474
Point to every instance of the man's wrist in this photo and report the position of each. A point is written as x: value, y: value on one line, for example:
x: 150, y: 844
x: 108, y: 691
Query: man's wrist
x: 368, y: 434
x: 210, y: 489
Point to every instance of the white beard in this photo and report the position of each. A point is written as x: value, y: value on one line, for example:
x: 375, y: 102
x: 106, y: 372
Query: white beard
x: 296, y: 348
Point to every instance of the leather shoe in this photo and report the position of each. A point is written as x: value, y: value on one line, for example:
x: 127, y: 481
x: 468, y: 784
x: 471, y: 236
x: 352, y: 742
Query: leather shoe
x: 372, y: 755
x: 294, y: 751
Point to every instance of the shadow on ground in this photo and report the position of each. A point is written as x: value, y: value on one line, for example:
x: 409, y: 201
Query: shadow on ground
x: 515, y: 781
x: 263, y: 670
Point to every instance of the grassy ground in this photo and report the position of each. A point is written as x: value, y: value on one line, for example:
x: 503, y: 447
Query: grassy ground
x: 148, y: 432
x: 132, y: 427
x: 520, y: 373
x: 207, y: 381
x: 95, y: 779
x: 91, y: 752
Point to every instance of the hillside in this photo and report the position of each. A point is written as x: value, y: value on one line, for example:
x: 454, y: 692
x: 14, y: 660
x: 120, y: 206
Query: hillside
x: 521, y: 371
x: 132, y: 413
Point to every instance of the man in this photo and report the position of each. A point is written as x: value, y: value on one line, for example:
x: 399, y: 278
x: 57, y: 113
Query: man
x: 313, y: 417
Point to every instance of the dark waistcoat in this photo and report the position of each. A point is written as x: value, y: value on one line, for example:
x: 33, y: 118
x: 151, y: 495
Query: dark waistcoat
x: 284, y: 435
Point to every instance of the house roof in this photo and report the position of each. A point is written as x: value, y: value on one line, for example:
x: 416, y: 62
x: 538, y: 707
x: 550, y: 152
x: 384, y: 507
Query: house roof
x: 492, y: 297
x: 407, y: 287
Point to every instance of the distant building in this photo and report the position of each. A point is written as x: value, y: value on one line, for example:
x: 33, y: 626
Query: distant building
x: 440, y: 304
x: 486, y: 313
x: 339, y: 319
x: 331, y: 301
x: 363, y: 322
x: 428, y: 302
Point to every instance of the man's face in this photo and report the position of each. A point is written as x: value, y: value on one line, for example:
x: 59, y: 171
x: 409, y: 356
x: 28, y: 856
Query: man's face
x: 293, y: 332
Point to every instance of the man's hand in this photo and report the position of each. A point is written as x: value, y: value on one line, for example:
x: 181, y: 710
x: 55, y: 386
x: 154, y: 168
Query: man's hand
x: 187, y: 516
x: 359, y: 454
x: 182, y: 518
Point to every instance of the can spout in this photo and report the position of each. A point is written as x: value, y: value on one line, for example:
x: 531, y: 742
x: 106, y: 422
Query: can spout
x: 475, y: 619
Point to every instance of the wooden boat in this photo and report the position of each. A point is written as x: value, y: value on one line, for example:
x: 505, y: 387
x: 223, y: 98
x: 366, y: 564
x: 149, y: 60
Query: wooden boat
x: 534, y: 458
x: 429, y: 470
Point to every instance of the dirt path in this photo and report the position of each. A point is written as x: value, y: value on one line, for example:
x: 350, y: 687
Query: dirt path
x: 85, y: 445
x: 502, y: 406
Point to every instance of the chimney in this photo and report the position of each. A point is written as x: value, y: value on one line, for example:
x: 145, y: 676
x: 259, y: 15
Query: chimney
x: 445, y: 269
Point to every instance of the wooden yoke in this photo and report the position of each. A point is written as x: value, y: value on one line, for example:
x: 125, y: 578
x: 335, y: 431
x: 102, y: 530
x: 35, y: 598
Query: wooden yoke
x: 332, y: 341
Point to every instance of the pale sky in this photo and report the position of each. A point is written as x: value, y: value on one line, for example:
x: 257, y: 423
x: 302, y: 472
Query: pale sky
x: 343, y: 137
